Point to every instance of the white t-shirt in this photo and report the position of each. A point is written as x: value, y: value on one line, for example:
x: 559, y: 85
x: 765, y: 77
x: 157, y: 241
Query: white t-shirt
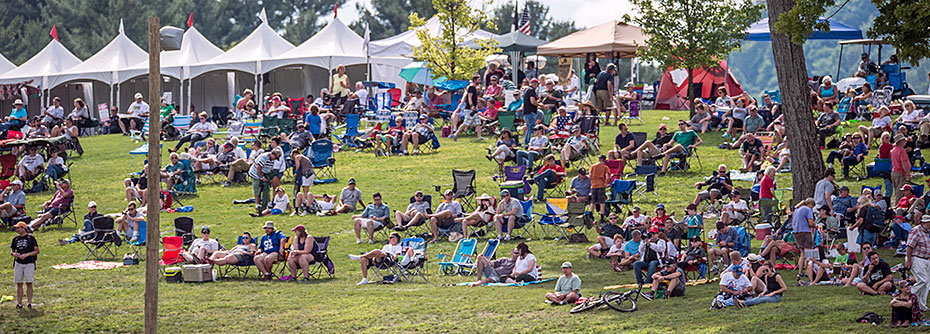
x: 362, y: 96
x: 741, y: 205
x: 239, y: 153
x: 280, y: 202
x: 138, y: 109
x: 279, y: 111
x: 60, y: 162
x: 204, y: 126
x: 744, y: 264
x: 881, y: 122
x: 524, y: 263
x: 735, y: 284
x: 326, y: 206
x: 631, y: 220
x: 392, y: 249
x: 210, y: 245
x: 32, y: 161
x: 58, y: 112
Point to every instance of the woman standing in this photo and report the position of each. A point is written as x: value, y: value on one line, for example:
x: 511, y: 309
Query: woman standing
x: 767, y: 193
x: 340, y: 86
x: 591, y: 68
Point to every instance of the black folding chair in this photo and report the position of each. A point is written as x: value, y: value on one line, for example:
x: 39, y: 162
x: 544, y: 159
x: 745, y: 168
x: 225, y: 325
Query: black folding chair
x: 463, y: 187
x: 104, y: 238
x: 184, y: 228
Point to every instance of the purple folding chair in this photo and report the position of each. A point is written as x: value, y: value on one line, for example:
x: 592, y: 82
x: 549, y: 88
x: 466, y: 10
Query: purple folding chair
x: 515, y: 181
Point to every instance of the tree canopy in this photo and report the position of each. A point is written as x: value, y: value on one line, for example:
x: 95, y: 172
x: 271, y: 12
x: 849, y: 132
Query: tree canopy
x: 444, y: 53
x: 542, y: 25
x: 387, y: 18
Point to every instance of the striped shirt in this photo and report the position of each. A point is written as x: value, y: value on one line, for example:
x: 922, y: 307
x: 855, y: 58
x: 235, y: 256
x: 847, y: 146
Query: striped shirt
x: 262, y: 162
x: 919, y: 241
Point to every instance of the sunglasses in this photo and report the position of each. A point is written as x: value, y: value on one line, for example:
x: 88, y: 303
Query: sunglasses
x: 612, y: 218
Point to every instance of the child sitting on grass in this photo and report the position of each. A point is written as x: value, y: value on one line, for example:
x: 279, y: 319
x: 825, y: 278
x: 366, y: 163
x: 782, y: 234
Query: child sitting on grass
x: 279, y: 205
x: 904, y: 306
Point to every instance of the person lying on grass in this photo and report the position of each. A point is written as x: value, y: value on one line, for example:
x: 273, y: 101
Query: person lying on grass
x: 495, y: 271
x: 567, y: 288
x: 279, y: 204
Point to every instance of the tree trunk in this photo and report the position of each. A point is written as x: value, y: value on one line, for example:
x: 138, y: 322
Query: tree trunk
x: 690, y: 102
x: 806, y: 160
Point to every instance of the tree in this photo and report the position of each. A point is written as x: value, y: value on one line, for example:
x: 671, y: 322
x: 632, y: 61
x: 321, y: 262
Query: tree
x: 389, y: 17
x: 444, y: 53
x: 542, y: 25
x: 692, y: 33
x: 903, y: 23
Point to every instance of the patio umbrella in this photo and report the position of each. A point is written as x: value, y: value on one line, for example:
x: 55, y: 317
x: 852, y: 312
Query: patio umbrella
x: 419, y: 73
x: 513, y: 41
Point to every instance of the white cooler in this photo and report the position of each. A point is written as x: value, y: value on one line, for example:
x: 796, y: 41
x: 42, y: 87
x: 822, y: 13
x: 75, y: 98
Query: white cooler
x: 197, y: 272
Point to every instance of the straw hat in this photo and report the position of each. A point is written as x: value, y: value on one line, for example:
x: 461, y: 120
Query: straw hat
x: 484, y: 196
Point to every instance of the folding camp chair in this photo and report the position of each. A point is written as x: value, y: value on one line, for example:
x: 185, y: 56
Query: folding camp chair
x: 463, y: 188
x: 424, y: 224
x: 241, y: 268
x: 320, y: 153
x: 187, y: 184
x: 321, y: 262
x: 506, y: 120
x: 184, y: 228
x: 464, y: 255
x: 699, y: 270
x: 251, y: 130
x: 616, y: 169
x: 591, y: 127
x: 527, y: 227
x: 621, y: 194
x: 350, y: 137
x: 137, y: 247
x: 489, y: 252
x: 645, y: 180
x: 182, y: 123
x: 514, y: 179
x: 416, y: 266
x: 298, y: 108
x: 104, y: 238
x: 172, y: 246
x: 220, y: 115
x: 634, y: 108
x: 139, y: 135
x: 551, y: 221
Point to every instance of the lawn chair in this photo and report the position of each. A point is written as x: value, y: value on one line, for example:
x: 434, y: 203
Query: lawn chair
x: 172, y: 246
x: 743, y: 241
x: 104, y: 238
x: 182, y: 123
x: 350, y: 137
x: 506, y: 120
x: 139, y: 135
x: 698, y: 271
x: 65, y: 212
x: 463, y: 188
x: 591, y: 127
x: 137, y: 247
x: 514, y: 180
x: 551, y: 221
x: 489, y: 252
x: 241, y: 268
x: 251, y: 129
x: 682, y: 159
x: 184, y: 228
x: 321, y: 262
x: 616, y: 169
x: 633, y: 110
x: 320, y: 153
x: 621, y: 194
x: 645, y: 180
x: 424, y: 224
x: 464, y: 255
x: 220, y: 115
x: 417, y: 265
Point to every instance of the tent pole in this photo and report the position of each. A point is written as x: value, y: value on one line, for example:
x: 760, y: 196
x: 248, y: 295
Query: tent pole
x: 632, y: 66
x: 840, y: 63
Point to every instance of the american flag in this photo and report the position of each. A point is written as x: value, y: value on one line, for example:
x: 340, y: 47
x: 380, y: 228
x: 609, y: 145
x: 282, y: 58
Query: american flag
x: 524, y: 26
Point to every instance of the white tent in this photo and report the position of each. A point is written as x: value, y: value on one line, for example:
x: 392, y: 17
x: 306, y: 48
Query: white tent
x: 5, y: 64
x: 120, y: 54
x: 53, y: 59
x: 404, y: 43
x: 336, y: 44
x: 247, y: 56
x: 195, y: 48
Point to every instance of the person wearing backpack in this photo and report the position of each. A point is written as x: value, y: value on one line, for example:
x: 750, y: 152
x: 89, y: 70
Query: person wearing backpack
x: 870, y: 220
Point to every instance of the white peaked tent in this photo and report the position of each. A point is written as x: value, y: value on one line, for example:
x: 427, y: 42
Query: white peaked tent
x: 247, y: 56
x: 119, y: 55
x: 53, y: 59
x: 5, y: 64
x: 404, y: 43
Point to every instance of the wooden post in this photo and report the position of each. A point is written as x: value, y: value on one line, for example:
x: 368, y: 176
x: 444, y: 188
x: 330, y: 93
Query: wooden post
x: 153, y: 208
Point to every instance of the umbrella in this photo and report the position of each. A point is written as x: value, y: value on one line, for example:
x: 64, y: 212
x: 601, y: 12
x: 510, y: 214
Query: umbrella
x: 452, y: 85
x: 513, y: 41
x: 418, y: 73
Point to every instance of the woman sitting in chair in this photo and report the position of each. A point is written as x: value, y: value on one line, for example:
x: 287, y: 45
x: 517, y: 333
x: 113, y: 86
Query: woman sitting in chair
x: 625, y: 97
x: 483, y: 214
x: 241, y: 253
x: 504, y: 149
x: 392, y: 250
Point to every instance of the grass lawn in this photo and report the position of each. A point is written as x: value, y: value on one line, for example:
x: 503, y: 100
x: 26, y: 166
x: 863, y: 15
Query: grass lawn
x: 110, y: 301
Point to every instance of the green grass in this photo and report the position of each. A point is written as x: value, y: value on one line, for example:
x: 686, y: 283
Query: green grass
x: 111, y: 301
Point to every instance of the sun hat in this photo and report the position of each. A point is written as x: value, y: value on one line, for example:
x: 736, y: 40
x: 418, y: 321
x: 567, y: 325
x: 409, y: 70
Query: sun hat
x: 18, y: 101
x: 268, y: 224
x: 484, y: 196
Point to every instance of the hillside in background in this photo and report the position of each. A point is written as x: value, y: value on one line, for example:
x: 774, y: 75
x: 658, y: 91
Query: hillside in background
x: 754, y: 65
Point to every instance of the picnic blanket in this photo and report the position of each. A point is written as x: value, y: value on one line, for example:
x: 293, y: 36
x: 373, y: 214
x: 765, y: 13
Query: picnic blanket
x: 89, y: 265
x: 511, y: 284
x: 689, y: 283
x: 738, y: 176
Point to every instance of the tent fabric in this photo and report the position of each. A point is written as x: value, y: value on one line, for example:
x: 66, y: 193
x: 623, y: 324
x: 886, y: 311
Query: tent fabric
x: 404, y: 43
x: 760, y: 31
x: 610, y: 38
x: 262, y: 44
x: 5, y: 64
x: 195, y: 48
x: 53, y: 59
x: 513, y: 41
x: 333, y: 45
x: 673, y: 87
x: 121, y: 53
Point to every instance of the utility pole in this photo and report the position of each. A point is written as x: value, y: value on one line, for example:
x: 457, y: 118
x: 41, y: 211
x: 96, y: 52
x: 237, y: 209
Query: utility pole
x: 152, y: 208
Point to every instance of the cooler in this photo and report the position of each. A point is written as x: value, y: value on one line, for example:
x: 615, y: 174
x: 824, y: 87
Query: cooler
x: 198, y: 272
x: 173, y: 274
x: 763, y: 230
x: 515, y: 188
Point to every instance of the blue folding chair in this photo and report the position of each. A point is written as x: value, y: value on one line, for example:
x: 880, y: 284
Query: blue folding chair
x: 464, y: 255
x: 320, y: 153
x: 350, y: 137
x: 489, y: 252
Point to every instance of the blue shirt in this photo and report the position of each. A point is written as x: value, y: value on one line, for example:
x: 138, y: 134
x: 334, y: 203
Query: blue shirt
x: 516, y: 104
x: 313, y: 123
x: 19, y: 113
x: 631, y: 247
x: 860, y: 149
x: 271, y: 243
x: 840, y: 204
x: 582, y: 187
x: 800, y: 218
x: 372, y: 211
x: 728, y: 237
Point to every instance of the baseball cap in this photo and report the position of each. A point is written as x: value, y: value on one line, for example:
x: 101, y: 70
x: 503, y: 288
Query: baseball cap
x: 91, y: 204
x: 907, y: 187
x: 448, y: 192
x: 660, y: 206
x: 736, y: 268
x: 534, y: 80
x: 138, y: 96
x: 566, y: 264
x: 18, y: 102
x: 17, y: 182
x: 205, y: 230
x: 582, y: 171
x: 504, y: 192
x: 299, y: 227
x: 898, y: 217
x: 636, y: 208
x: 20, y: 224
x: 351, y: 180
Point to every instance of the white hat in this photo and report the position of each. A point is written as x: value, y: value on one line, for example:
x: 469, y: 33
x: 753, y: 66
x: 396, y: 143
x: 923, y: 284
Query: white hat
x: 17, y: 182
x: 91, y: 204
x: 138, y: 95
x: 18, y: 101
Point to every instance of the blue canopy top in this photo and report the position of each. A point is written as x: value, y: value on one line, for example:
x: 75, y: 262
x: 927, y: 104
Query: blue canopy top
x: 759, y: 31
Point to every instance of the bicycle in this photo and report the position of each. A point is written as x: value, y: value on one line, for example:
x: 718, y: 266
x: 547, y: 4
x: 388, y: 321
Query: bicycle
x: 622, y: 302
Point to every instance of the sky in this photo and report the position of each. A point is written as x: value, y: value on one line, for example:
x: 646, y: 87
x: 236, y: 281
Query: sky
x: 585, y: 13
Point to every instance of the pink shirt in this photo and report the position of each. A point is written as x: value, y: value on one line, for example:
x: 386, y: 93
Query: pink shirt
x: 899, y: 161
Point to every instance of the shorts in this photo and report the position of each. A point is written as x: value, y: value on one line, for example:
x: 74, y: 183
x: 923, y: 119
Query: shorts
x: 445, y: 222
x: 520, y: 223
x: 471, y: 119
x: 307, y: 181
x: 365, y: 221
x: 53, y: 211
x: 705, y: 194
x: 737, y: 216
x: 276, y: 211
x: 242, y: 258
x: 24, y: 273
x: 737, y: 123
x: 804, y: 240
x: 609, y: 241
x: 602, y: 100
x: 598, y: 195
x: 326, y: 206
x: 491, y: 274
x: 651, y: 152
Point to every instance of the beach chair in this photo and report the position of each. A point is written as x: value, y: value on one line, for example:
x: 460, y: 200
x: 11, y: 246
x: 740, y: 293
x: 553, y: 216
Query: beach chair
x: 424, y: 224
x: 172, y: 246
x: 322, y: 264
x: 187, y: 184
x: 696, y: 271
x: 621, y: 194
x: 489, y: 252
x: 350, y: 137
x: 184, y: 228
x: 463, y: 188
x: 139, y: 135
x: 320, y: 153
x: 100, y: 246
x: 634, y: 108
x: 220, y: 115
x: 464, y: 254
x: 251, y: 129
x: 417, y: 266
x: 743, y: 242
x: 550, y: 222
x: 182, y: 123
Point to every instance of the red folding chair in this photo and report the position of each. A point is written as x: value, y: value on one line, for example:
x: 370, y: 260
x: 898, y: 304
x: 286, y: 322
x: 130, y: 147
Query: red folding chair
x: 297, y: 108
x: 171, y: 251
x: 616, y: 169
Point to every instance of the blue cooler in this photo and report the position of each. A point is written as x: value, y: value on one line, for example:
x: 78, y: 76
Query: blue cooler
x: 515, y: 188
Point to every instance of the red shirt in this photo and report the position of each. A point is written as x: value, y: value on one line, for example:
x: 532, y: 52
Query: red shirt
x: 659, y: 221
x: 884, y: 151
x: 766, y: 187
x: 905, y: 201
x: 557, y: 169
x: 899, y: 161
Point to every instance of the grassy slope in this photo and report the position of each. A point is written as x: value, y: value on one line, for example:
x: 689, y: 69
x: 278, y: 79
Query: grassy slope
x: 111, y: 301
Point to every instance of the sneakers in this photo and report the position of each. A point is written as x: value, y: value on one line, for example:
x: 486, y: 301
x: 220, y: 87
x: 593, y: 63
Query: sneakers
x: 371, y: 241
x: 725, y: 135
x: 506, y: 237
x: 362, y: 282
x: 354, y: 257
x: 358, y: 241
x: 19, y: 305
x: 715, y: 303
x: 454, y: 137
x: 253, y: 214
x: 135, y: 236
x: 226, y: 184
x: 650, y: 296
x: 415, y: 152
x: 62, y: 242
x: 399, y: 228
x: 303, y: 213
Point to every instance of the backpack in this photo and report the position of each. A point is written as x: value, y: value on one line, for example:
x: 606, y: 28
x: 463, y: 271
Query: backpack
x: 871, y: 318
x: 874, y: 220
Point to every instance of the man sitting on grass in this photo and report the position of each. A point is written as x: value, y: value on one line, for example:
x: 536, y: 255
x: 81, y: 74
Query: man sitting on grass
x: 676, y: 282
x: 494, y: 271
x: 877, y: 277
x: 606, y: 238
x: 349, y: 198
x: 415, y: 215
x: 567, y: 288
x: 733, y: 285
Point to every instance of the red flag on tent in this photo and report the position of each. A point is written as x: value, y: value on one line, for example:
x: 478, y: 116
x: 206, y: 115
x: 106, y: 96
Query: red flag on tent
x: 54, y: 32
x: 335, y: 11
x: 190, y: 20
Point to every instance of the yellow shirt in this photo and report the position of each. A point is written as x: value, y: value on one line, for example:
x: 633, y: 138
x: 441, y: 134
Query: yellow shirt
x: 338, y: 81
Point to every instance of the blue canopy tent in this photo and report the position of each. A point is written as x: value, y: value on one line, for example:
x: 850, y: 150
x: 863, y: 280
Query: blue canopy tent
x: 760, y: 31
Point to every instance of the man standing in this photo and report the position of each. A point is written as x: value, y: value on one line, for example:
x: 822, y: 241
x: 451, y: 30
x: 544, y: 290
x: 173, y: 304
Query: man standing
x: 900, y: 165
x: 530, y: 107
x: 567, y: 288
x: 600, y: 179
x: 823, y: 191
x: 802, y: 222
x: 918, y: 259
x: 24, y: 251
x: 261, y: 182
x: 603, y: 86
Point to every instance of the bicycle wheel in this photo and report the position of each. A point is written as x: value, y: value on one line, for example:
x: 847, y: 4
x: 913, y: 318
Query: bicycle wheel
x: 620, y: 302
x: 587, y: 305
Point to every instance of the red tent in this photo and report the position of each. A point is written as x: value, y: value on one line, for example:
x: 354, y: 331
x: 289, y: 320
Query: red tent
x: 673, y: 88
